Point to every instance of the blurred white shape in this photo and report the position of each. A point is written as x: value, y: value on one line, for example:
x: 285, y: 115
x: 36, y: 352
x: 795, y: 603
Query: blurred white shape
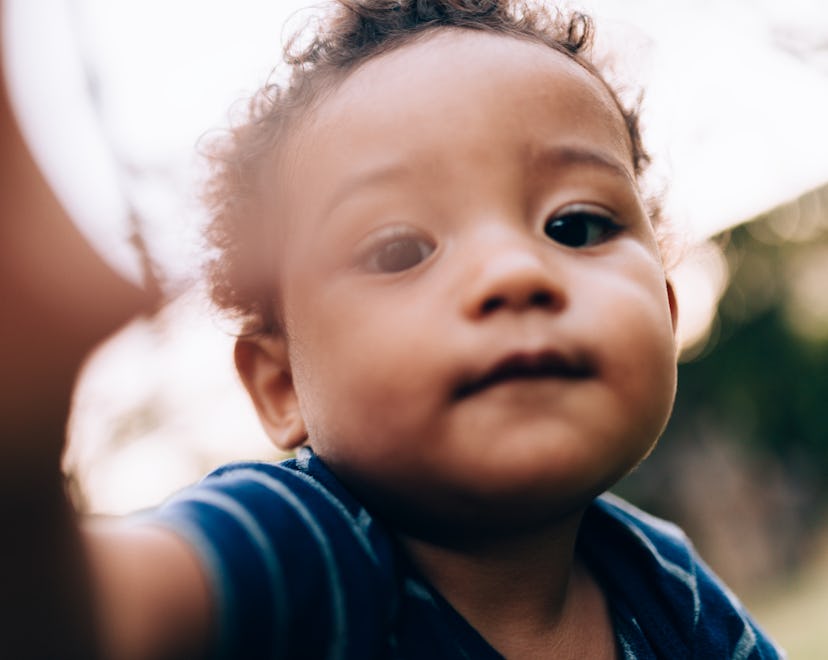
x: 699, y: 282
x: 735, y: 119
x: 169, y: 73
x: 48, y: 91
x: 138, y: 475
x: 113, y: 97
x: 157, y: 407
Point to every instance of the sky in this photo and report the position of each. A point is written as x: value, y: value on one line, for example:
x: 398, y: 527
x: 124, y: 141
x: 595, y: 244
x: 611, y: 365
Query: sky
x: 116, y: 97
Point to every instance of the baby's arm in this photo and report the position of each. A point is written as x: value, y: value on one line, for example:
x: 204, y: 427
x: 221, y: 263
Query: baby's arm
x: 151, y: 598
x: 57, y: 301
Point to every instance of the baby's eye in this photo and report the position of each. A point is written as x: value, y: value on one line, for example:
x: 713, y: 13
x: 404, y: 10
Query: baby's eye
x: 398, y: 254
x: 581, y: 225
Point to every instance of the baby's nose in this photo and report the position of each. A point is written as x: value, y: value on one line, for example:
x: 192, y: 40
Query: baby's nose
x: 513, y: 278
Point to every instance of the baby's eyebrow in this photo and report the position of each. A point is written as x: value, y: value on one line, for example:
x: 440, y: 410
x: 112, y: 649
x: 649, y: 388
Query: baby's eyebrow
x: 366, y: 178
x: 558, y: 156
x: 549, y: 157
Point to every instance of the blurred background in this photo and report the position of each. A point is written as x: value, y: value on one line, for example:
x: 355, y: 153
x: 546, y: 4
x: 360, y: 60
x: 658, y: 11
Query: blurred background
x: 116, y: 97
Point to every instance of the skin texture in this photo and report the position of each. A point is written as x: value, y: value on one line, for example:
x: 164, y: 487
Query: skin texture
x: 481, y: 395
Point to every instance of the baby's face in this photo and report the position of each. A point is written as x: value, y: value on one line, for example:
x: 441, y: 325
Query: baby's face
x: 478, y: 320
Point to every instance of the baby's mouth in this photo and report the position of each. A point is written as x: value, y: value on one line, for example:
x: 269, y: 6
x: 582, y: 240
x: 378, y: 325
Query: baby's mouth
x: 525, y: 366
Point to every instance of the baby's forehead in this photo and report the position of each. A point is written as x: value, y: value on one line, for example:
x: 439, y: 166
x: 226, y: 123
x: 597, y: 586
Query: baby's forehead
x: 431, y: 60
x: 410, y: 107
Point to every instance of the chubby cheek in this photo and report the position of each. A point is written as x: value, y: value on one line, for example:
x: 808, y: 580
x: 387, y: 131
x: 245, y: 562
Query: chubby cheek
x: 642, y: 365
x: 361, y: 377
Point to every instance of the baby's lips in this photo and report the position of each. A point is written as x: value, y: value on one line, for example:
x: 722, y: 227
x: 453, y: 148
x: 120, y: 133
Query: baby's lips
x: 527, y: 365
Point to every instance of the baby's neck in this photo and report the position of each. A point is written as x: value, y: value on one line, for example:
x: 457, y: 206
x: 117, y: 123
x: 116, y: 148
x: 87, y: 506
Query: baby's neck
x: 528, y: 596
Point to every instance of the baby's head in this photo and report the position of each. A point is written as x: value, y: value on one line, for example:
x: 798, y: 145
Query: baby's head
x: 452, y: 288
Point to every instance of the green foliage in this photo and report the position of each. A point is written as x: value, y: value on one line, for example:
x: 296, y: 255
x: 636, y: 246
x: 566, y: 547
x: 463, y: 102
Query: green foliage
x: 764, y: 376
x: 772, y: 385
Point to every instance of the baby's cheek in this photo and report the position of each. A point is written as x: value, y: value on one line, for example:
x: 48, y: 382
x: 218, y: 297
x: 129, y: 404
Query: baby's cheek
x: 642, y: 362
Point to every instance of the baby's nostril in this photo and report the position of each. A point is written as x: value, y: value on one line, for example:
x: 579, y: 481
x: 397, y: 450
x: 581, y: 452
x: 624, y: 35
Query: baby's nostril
x: 493, y: 303
x: 540, y: 299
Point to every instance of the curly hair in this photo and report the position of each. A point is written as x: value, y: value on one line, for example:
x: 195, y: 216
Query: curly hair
x: 319, y: 57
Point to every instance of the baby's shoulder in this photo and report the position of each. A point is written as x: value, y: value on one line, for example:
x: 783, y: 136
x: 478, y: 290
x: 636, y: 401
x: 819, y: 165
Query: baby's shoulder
x: 664, y: 598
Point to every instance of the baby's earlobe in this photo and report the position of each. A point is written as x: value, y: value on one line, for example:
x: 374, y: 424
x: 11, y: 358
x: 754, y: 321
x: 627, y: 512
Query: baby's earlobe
x: 264, y: 368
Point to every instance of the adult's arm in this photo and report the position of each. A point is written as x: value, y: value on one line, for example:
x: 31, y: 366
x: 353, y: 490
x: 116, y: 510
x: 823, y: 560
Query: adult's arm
x: 65, y: 593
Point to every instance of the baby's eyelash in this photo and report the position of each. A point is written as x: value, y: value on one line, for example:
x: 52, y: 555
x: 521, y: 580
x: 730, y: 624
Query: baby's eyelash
x: 581, y: 226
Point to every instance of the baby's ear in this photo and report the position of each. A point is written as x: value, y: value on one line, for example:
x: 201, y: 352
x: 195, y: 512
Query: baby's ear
x: 263, y: 365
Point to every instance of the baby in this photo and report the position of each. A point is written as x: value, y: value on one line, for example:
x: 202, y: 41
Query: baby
x: 456, y: 312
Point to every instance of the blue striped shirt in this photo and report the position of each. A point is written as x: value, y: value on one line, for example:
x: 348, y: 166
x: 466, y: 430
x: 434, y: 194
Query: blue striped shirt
x: 299, y: 569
